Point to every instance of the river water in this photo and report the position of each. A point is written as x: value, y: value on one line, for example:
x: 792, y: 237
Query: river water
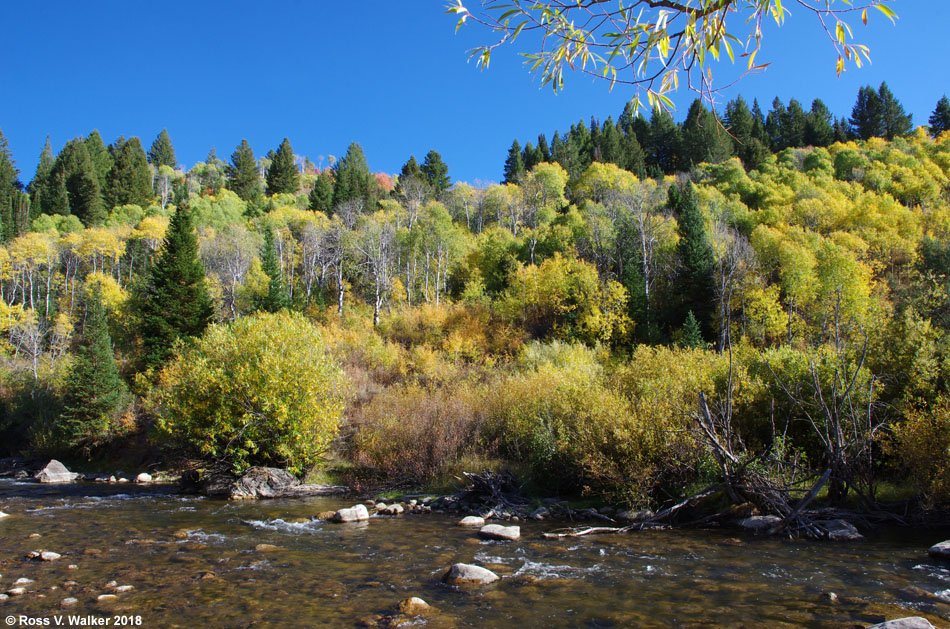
x: 192, y: 563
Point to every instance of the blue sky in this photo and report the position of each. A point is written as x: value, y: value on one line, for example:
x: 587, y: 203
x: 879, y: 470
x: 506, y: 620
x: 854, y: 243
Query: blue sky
x: 393, y: 76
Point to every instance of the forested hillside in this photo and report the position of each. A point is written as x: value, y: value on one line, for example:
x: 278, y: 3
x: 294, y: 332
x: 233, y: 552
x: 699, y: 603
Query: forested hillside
x: 641, y: 307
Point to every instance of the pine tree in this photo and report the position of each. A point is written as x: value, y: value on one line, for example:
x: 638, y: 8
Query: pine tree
x: 76, y: 169
x: 175, y: 303
x: 579, y: 140
x: 692, y: 333
x: 819, y: 129
x: 130, y: 179
x: 354, y: 181
x: 93, y: 389
x: 543, y: 149
x: 39, y: 187
x: 514, y: 164
x: 531, y: 156
x: 611, y: 142
x: 8, y: 173
x: 161, y: 153
x: 897, y: 122
x: 321, y: 197
x: 940, y: 118
x: 704, y: 139
x: 666, y: 143
x: 564, y: 152
x: 100, y: 156
x: 867, y: 115
x: 276, y: 298
x: 695, y: 253
x: 436, y: 172
x: 792, y: 126
x: 242, y: 173
x: 283, y: 176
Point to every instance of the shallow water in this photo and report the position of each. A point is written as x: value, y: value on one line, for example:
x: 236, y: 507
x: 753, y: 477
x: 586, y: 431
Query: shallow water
x: 193, y: 563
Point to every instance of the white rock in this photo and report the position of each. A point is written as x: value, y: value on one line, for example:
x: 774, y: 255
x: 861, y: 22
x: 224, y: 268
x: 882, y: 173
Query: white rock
x: 4, y: 515
x: 472, y: 520
x: 4, y: 597
x: 842, y: 531
x: 144, y: 477
x: 125, y: 588
x: 106, y: 597
x: 393, y: 509
x: 353, y: 514
x: 497, y: 531
x: 55, y: 472
x: 66, y: 602
x: 111, y: 585
x: 911, y: 622
x: 467, y: 574
x: 413, y: 606
x: 380, y: 506
x: 48, y: 555
x: 23, y: 581
x: 940, y: 551
x: 759, y: 523
x: 16, y: 591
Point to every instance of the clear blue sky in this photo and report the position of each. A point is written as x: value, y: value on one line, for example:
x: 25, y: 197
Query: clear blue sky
x: 391, y: 75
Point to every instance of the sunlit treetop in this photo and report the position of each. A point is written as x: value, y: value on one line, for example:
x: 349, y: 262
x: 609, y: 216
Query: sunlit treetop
x: 653, y: 45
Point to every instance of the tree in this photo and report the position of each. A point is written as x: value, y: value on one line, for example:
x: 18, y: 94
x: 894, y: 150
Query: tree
x: 648, y: 44
x: 897, y: 122
x: 940, y: 118
x: 819, y: 129
x: 695, y: 253
x: 692, y: 334
x: 129, y: 180
x: 100, y: 157
x: 354, y: 181
x: 242, y: 173
x: 175, y: 303
x: 276, y: 298
x: 666, y: 143
x: 161, y: 153
x: 238, y: 395
x: 514, y: 164
x: 8, y: 173
x: 436, y: 172
x: 39, y: 188
x: 283, y: 176
x: 75, y: 168
x: 93, y: 389
x: 704, y: 138
x: 321, y: 196
x: 867, y: 115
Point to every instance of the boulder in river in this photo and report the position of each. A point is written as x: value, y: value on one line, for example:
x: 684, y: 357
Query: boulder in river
x: 143, y: 478
x: 413, y: 606
x: 472, y: 520
x: 55, y: 472
x: 499, y: 532
x: 68, y: 602
x: 4, y: 515
x: 257, y: 482
x: 467, y: 574
x: 911, y: 622
x: 841, y: 531
x: 759, y: 523
x: 352, y: 514
x: 940, y: 551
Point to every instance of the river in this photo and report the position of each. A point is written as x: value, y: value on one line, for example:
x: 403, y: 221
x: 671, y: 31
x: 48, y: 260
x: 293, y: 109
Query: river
x: 192, y: 563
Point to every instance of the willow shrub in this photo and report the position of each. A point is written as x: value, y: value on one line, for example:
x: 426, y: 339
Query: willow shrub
x: 260, y: 391
x: 922, y: 444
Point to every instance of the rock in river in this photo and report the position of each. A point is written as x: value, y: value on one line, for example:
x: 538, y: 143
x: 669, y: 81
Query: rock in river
x: 467, y: 574
x: 940, y: 551
x: 841, y: 531
x: 262, y: 482
x: 413, y: 606
x: 472, y: 520
x: 497, y: 531
x: 55, y: 472
x: 143, y: 478
x: 759, y: 523
x: 353, y: 514
x: 911, y: 622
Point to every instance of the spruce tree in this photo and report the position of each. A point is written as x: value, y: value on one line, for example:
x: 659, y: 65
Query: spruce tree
x: 242, y: 173
x: 283, y: 176
x: 321, y: 197
x: 666, y: 143
x: 692, y: 333
x: 161, y: 153
x: 276, y: 298
x: 543, y: 149
x: 436, y: 172
x: 611, y: 142
x: 565, y: 153
x: 353, y: 180
x: 8, y: 173
x: 819, y: 129
x: 39, y: 187
x: 93, y: 389
x: 175, y: 303
x: 76, y: 169
x: 695, y: 254
x: 100, y: 156
x: 514, y: 164
x: 129, y: 179
x: 704, y: 138
x: 940, y: 118
x: 897, y: 122
x: 867, y: 115
x: 530, y: 156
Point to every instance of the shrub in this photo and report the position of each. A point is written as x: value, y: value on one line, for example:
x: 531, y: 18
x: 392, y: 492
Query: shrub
x: 260, y: 391
x: 922, y: 444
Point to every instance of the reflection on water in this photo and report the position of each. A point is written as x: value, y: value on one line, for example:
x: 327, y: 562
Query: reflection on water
x: 196, y: 562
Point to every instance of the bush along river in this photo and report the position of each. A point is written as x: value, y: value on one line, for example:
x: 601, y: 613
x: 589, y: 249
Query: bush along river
x: 148, y: 556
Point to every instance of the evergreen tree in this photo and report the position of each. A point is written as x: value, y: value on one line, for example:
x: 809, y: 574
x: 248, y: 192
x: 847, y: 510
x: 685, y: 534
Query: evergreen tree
x: 242, y: 173
x: 410, y: 168
x: 276, y: 298
x: 940, y: 118
x: 8, y: 173
x: 354, y: 181
x: 773, y: 125
x: 565, y: 153
x: 758, y: 124
x: 100, y: 156
x: 514, y: 164
x: 74, y: 166
x: 793, y: 125
x: 631, y: 155
x: 843, y: 131
x: 543, y: 149
x: 666, y: 143
x: 897, y: 122
x: 321, y: 197
x: 704, y: 139
x: 436, y: 172
x: 692, y: 333
x: 529, y: 156
x: 819, y: 129
x: 283, y: 175
x: 695, y: 254
x: 175, y: 303
x: 161, y: 153
x: 579, y: 139
x: 57, y: 198
x: 130, y: 179
x: 39, y: 187
x: 747, y: 132
x: 93, y: 390
x: 867, y: 115
x: 611, y: 143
